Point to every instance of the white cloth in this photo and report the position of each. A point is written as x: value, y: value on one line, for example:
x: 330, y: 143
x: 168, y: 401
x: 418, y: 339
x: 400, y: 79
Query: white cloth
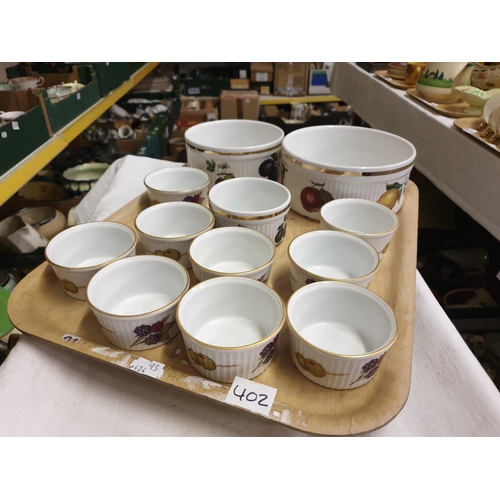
x: 121, y: 183
x: 46, y: 390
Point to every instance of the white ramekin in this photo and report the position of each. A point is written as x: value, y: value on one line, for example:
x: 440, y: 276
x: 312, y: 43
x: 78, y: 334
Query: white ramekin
x: 79, y: 252
x: 339, y: 333
x: 230, y: 327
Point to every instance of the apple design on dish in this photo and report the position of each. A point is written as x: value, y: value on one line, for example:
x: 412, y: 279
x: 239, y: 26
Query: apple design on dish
x: 314, y: 197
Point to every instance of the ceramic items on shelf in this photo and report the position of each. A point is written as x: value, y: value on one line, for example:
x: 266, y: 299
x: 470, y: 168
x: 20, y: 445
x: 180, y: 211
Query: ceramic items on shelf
x: 438, y: 79
x: 7, y: 280
x: 58, y: 93
x: 81, y: 179
x: 18, y: 237
x: 28, y: 82
x: 414, y: 72
x: 46, y: 220
x: 475, y: 97
x: 119, y: 111
x: 485, y: 76
x: 397, y: 70
x: 9, y: 116
x: 9, y: 87
x: 490, y: 126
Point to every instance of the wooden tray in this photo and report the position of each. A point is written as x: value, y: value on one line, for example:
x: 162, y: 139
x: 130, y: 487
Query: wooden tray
x: 38, y: 306
x: 470, y: 126
x: 400, y: 84
x: 453, y: 109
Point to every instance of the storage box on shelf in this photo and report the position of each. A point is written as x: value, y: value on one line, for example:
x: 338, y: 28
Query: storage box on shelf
x: 155, y: 144
x: 194, y: 111
x: 262, y: 72
x: 291, y: 79
x: 205, y: 86
x: 24, y: 135
x: 61, y: 113
x: 111, y: 75
x: 208, y: 82
x: 239, y: 104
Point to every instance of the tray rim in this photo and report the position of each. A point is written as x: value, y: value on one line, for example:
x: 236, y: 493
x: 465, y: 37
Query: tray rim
x: 383, y: 75
x: 458, y: 123
x: 413, y: 93
x: 217, y: 392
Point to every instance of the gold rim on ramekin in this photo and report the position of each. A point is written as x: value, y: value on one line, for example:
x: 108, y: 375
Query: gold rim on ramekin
x: 176, y: 238
x: 242, y: 273
x: 236, y: 348
x: 173, y: 193
x: 95, y: 266
x: 326, y: 278
x: 148, y: 313
x: 239, y: 217
x: 348, y: 356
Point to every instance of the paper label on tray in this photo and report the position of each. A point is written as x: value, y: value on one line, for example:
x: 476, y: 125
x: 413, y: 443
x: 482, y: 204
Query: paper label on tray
x: 4, y: 135
x: 257, y: 398
x: 15, y: 126
x: 146, y: 367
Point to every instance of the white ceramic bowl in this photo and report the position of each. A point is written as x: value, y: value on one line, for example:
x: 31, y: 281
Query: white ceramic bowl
x: 325, y: 255
x: 339, y: 333
x: 259, y: 204
x: 234, y: 148
x: 177, y: 184
x: 232, y: 251
x: 371, y: 221
x: 79, y: 252
x: 492, y: 104
x: 168, y: 229
x: 135, y: 299
x: 230, y: 327
x: 328, y: 162
x: 46, y: 220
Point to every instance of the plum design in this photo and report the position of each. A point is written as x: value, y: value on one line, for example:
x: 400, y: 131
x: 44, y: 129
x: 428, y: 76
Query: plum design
x: 314, y: 197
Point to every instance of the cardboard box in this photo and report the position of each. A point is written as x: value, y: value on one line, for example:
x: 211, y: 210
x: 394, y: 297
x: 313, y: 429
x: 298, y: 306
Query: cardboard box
x: 205, y: 86
x: 262, y: 88
x: 239, y: 104
x: 239, y: 84
x: 208, y: 111
x: 291, y: 79
x: 262, y: 72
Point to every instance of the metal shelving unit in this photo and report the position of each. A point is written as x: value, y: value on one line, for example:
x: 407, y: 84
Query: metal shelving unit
x: 24, y: 171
